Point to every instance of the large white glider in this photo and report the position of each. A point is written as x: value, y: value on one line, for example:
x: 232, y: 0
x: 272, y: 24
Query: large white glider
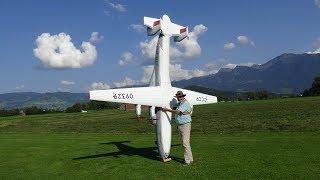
x: 162, y: 94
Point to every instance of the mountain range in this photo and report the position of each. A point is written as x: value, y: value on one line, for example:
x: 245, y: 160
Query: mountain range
x: 287, y: 73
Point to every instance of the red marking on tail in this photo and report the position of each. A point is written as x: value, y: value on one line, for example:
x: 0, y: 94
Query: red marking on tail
x: 183, y: 30
x: 156, y: 23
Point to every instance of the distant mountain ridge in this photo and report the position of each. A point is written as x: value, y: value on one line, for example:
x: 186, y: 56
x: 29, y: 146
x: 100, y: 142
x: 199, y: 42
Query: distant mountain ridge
x: 287, y: 73
x: 56, y: 100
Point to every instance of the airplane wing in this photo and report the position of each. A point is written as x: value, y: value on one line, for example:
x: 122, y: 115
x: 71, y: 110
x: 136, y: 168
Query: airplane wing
x: 149, y: 96
x: 195, y: 98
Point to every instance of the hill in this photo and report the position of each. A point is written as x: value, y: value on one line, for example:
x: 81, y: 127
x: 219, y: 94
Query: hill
x: 57, y: 100
x: 287, y: 73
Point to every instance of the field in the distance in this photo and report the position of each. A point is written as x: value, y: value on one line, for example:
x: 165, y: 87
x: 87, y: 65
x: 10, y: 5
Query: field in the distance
x: 253, y: 139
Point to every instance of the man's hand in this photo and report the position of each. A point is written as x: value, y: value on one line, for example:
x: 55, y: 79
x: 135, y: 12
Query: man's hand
x: 165, y: 109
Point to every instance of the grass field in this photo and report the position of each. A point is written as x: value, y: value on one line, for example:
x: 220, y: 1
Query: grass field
x: 253, y: 139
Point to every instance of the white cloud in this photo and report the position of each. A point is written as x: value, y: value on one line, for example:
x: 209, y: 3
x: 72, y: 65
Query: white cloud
x: 126, y: 58
x: 316, y: 45
x: 186, y: 49
x: 176, y: 73
x: 57, y: 51
x: 66, y: 83
x: 148, y: 48
x: 99, y: 86
x: 146, y: 75
x: 214, y: 66
x: 139, y: 28
x: 95, y: 37
x: 118, y: 7
x: 230, y: 66
x: 20, y: 87
x: 229, y: 46
x: 126, y: 82
x: 245, y: 40
x: 317, y: 2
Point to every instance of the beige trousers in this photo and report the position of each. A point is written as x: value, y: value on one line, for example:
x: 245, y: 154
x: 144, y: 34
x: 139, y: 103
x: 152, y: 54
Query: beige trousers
x: 185, y: 130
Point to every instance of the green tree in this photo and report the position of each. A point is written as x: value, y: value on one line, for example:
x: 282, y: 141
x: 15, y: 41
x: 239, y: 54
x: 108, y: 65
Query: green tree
x: 315, y: 88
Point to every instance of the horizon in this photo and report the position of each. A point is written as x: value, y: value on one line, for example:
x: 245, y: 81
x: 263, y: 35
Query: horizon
x: 102, y: 44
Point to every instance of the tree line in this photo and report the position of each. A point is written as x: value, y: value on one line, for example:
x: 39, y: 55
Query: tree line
x: 77, y: 107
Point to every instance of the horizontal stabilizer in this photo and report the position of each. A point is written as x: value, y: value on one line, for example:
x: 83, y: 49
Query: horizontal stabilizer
x: 195, y: 98
x: 151, y: 22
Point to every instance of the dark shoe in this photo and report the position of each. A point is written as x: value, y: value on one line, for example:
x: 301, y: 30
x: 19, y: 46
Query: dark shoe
x: 186, y: 164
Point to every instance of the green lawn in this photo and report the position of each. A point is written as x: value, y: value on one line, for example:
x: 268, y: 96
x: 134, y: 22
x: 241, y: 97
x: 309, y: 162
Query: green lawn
x: 238, y: 155
x: 257, y: 139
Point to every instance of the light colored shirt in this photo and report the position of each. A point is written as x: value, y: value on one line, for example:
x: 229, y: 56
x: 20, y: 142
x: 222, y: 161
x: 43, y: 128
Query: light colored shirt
x: 185, y: 113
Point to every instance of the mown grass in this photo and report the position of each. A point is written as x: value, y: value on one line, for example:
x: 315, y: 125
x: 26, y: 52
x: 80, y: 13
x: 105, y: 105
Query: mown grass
x: 294, y: 114
x: 243, y: 140
x: 279, y: 155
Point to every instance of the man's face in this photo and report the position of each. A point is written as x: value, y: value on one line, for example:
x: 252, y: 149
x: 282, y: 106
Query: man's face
x: 181, y: 98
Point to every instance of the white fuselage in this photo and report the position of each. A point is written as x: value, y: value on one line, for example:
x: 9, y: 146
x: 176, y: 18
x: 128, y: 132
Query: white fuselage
x: 162, y: 79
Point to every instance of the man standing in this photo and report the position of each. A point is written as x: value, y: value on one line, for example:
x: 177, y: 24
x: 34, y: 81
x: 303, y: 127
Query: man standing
x: 183, y: 120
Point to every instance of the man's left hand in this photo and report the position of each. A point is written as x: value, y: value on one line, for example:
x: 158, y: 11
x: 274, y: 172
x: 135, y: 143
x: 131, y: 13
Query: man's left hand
x: 165, y: 109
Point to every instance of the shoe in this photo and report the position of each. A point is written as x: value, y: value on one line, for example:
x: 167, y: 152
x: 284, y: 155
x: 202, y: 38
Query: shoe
x: 187, y: 164
x: 166, y: 160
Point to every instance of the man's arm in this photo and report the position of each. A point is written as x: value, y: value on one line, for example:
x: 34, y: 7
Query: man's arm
x: 171, y: 110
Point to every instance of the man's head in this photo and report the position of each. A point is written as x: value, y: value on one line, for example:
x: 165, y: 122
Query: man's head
x: 180, y: 96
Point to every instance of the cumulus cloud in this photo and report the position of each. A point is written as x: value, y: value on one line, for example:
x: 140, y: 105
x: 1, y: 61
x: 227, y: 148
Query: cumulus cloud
x: 126, y: 82
x: 317, y: 2
x: 316, y: 45
x: 66, y: 83
x: 229, y: 46
x: 245, y: 40
x: 139, y: 28
x: 214, y: 66
x: 126, y: 58
x: 186, y: 49
x: 146, y: 74
x: 58, y: 52
x: 99, y: 86
x: 117, y: 6
x: 176, y: 73
x: 95, y: 37
x: 20, y: 87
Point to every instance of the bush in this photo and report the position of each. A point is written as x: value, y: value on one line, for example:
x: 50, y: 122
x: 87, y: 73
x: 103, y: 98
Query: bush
x: 12, y: 112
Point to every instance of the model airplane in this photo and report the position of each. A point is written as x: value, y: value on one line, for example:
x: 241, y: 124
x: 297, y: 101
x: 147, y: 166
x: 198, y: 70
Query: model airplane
x: 162, y: 94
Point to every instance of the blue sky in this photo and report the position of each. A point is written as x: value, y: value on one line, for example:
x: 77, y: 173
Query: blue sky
x: 230, y: 33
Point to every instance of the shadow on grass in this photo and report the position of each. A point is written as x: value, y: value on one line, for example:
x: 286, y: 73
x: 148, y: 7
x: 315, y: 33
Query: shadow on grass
x: 124, y: 149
